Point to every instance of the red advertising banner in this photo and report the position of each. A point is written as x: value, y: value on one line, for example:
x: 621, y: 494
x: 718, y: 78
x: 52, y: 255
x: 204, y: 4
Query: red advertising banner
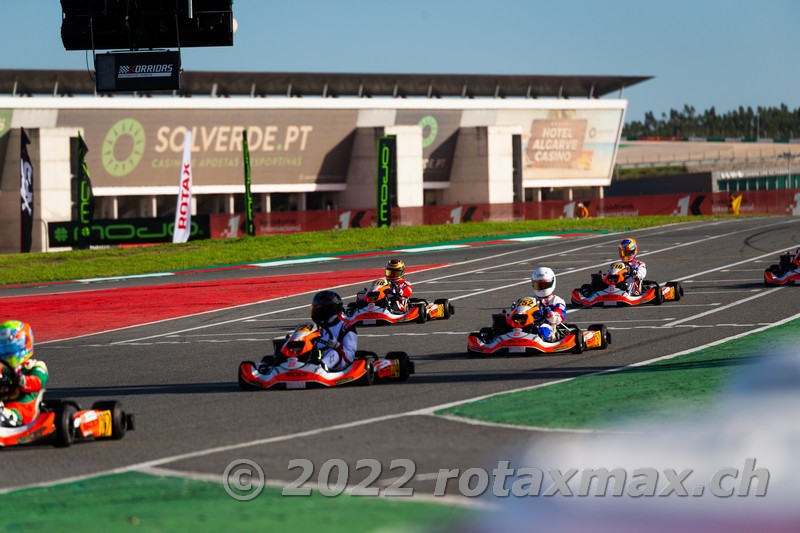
x: 777, y: 202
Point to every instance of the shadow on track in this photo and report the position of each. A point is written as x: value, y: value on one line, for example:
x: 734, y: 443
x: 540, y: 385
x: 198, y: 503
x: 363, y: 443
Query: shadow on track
x: 141, y: 390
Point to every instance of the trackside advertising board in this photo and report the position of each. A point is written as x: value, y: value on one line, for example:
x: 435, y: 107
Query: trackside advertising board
x: 141, y: 147
x: 387, y: 179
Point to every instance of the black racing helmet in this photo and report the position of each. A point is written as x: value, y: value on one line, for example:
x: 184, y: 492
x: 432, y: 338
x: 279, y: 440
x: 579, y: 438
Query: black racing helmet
x: 325, y: 306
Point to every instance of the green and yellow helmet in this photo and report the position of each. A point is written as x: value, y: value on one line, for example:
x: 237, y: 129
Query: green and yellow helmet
x: 16, y: 342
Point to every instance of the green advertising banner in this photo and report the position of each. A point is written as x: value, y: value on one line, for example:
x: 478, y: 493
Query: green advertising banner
x: 387, y: 179
x: 250, y: 227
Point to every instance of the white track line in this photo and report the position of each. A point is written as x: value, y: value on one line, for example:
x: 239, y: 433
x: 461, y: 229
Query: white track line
x: 384, y: 418
x: 460, y: 501
x: 718, y: 309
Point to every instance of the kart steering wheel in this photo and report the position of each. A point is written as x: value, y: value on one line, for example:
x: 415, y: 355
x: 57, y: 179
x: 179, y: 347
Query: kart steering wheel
x: 8, y: 378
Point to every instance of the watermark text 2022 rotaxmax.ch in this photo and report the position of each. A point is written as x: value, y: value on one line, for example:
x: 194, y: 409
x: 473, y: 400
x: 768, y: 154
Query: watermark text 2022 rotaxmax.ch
x: 244, y: 480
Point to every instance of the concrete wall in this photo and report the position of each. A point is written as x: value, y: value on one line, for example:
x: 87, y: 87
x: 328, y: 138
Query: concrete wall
x: 483, y: 166
x: 409, y: 164
x: 362, y: 173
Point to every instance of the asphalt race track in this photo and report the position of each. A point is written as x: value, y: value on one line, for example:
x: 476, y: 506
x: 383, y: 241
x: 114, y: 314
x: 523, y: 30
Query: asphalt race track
x: 179, y: 376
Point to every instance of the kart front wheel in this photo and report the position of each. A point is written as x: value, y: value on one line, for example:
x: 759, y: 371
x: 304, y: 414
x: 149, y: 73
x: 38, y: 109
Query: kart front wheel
x: 605, y: 335
x: 119, y: 420
x: 404, y: 363
x: 678, y: 290
x: 447, y: 307
x: 65, y: 431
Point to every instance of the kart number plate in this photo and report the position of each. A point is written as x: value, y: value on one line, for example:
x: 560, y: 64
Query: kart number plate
x: 516, y: 349
x: 368, y: 322
x: 295, y: 385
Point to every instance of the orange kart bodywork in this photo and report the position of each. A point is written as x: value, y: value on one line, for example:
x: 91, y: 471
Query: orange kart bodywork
x: 297, y: 365
x: 501, y: 339
x: 367, y: 369
x: 602, y: 294
x: 65, y: 422
x: 372, y: 308
x: 784, y: 273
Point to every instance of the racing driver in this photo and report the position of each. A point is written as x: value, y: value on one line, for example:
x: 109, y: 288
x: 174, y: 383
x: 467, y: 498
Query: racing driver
x: 22, y: 378
x: 636, y: 270
x: 400, y: 288
x: 552, y: 308
x: 337, y: 342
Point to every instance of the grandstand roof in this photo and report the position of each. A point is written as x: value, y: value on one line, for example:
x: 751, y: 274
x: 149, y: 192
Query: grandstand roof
x: 80, y: 82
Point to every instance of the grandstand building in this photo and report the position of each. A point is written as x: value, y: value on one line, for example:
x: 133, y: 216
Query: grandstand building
x: 312, y: 141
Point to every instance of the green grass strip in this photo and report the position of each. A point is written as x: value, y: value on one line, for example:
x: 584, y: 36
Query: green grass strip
x: 681, y: 387
x: 140, y: 502
x: 38, y: 267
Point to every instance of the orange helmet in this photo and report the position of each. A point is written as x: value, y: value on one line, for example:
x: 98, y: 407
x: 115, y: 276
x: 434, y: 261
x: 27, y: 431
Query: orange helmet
x: 628, y: 249
x: 616, y: 273
x: 522, y: 314
x: 301, y: 341
x: 394, y: 269
x: 16, y: 342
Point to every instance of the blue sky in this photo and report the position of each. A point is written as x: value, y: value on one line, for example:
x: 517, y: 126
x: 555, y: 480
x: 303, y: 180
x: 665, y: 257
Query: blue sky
x: 703, y: 52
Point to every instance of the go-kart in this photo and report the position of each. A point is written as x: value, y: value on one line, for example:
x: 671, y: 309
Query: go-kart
x: 373, y: 307
x: 602, y: 292
x: 63, y: 421
x: 297, y: 364
x: 784, y: 273
x: 517, y: 332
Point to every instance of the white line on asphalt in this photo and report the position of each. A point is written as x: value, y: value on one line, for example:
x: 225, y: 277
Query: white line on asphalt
x: 733, y: 264
x: 718, y: 309
x: 476, y: 422
x: 460, y: 501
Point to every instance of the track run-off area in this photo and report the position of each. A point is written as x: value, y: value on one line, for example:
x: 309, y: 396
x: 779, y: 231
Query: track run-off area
x: 178, y: 375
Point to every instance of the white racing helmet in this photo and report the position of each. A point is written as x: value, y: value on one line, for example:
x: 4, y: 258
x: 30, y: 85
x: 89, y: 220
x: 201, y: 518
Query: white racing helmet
x: 543, y: 280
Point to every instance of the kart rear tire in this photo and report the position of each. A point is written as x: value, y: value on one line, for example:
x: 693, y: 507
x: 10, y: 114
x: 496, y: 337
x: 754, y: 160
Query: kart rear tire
x: 678, y: 289
x: 368, y: 378
x: 579, y: 346
x: 405, y: 364
x: 119, y: 420
x: 659, y: 299
x: 65, y: 432
x: 448, y: 308
x: 243, y: 385
x: 423, y: 314
x: 605, y: 338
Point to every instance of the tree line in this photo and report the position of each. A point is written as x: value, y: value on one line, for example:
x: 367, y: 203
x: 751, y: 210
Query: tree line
x: 765, y: 122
